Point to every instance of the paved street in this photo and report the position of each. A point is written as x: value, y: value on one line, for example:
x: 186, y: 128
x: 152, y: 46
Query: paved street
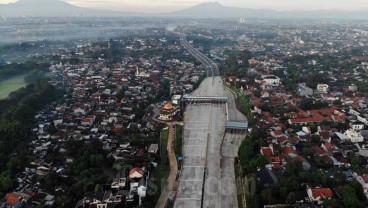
x: 211, y: 86
x: 171, y: 183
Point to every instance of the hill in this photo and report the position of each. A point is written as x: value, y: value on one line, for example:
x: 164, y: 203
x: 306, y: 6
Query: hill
x: 47, y: 8
x: 217, y: 10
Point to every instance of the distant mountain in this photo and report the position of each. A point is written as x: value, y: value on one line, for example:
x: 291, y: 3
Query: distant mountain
x: 47, y: 8
x: 216, y: 10
x: 204, y: 10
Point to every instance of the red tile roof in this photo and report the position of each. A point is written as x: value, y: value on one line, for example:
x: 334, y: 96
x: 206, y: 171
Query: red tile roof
x: 274, y: 160
x: 132, y: 171
x: 288, y: 150
x: 266, y: 151
x: 283, y: 140
x: 278, y: 133
x: 323, y: 193
x: 365, y: 178
x: 325, y: 134
x: 276, y: 166
x: 319, y: 151
x: 12, y: 199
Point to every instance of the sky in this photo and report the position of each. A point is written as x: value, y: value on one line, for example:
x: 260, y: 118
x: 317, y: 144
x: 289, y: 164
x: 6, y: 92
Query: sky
x: 173, y: 5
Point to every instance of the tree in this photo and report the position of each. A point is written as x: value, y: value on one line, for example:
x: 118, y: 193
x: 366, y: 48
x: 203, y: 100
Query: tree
x: 261, y: 161
x: 291, y: 199
x: 266, y: 195
x: 5, y: 183
x: 332, y: 203
x: 252, y: 201
x: 349, y: 197
x: 294, y: 168
x: 284, y: 192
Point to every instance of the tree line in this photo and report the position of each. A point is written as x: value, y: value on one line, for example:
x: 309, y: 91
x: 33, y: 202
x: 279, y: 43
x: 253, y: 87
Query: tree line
x: 16, y: 119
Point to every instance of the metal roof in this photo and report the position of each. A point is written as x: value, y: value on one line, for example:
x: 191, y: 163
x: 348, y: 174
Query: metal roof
x: 237, y: 125
x: 190, y: 97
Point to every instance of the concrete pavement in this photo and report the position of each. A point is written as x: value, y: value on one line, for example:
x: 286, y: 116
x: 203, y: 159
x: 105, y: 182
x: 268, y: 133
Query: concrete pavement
x: 207, y: 178
x: 229, y: 151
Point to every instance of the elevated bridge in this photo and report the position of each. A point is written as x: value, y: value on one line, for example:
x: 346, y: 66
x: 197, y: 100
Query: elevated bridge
x: 236, y: 126
x: 203, y: 99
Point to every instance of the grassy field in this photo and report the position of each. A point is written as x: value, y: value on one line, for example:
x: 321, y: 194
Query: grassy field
x: 12, y: 84
x: 179, y: 143
x: 160, y: 174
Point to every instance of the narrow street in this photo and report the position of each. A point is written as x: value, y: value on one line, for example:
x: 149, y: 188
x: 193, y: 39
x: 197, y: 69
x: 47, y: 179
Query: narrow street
x: 171, y: 184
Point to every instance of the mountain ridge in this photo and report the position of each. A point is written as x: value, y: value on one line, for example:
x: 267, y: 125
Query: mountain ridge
x: 203, y: 10
x: 49, y: 8
x: 217, y: 10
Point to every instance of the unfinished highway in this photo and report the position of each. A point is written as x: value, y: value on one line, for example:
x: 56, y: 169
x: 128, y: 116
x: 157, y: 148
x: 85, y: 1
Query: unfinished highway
x: 204, y: 178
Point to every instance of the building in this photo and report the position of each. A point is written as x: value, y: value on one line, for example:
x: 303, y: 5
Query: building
x: 363, y: 180
x: 175, y: 99
x: 319, y: 194
x: 322, y: 88
x: 141, y: 74
x: 304, y: 90
x: 168, y: 112
x: 354, y: 136
x: 353, y: 88
x: 357, y: 126
x: 271, y: 80
x: 13, y: 200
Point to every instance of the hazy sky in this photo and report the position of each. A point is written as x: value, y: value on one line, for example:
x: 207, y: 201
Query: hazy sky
x: 172, y: 5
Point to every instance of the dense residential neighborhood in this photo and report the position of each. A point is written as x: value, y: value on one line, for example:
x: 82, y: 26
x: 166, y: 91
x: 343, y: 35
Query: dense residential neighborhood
x: 100, y: 139
x: 112, y: 107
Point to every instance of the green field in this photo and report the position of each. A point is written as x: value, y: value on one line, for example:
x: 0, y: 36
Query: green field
x: 12, y: 84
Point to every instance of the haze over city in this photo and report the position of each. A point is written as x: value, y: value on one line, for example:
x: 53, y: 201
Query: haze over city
x: 172, y: 5
x: 183, y: 103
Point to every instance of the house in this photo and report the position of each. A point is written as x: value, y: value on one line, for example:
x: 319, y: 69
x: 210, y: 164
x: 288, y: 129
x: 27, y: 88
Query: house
x: 266, y: 176
x: 363, y: 180
x: 342, y: 137
x: 136, y: 173
x: 252, y: 61
x: 141, y: 74
x: 357, y: 126
x: 13, y: 200
x: 322, y: 88
x: 119, y: 182
x: 329, y: 147
x: 319, y: 194
x: 354, y: 136
x: 271, y: 80
x: 324, y: 133
x: 153, y: 148
x: 304, y: 90
x: 266, y: 151
x: 353, y: 88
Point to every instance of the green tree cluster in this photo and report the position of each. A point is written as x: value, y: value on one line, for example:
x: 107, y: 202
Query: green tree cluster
x: 16, y: 118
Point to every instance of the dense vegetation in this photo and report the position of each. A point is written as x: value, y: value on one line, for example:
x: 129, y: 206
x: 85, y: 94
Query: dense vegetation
x: 233, y: 68
x: 9, y: 70
x: 84, y: 175
x: 16, y: 118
